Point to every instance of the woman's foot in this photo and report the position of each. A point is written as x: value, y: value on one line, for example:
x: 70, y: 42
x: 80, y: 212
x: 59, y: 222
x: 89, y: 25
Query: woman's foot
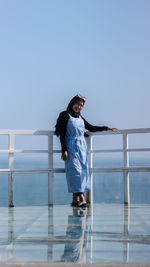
x: 83, y: 203
x: 75, y: 204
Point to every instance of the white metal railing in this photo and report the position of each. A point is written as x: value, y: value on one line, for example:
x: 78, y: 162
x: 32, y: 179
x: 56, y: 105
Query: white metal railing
x: 126, y: 168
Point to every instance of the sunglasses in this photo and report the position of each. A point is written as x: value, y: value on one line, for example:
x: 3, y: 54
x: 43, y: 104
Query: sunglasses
x: 82, y: 97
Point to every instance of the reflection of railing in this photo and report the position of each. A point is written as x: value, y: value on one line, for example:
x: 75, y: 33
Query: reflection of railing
x: 126, y: 168
x: 39, y: 230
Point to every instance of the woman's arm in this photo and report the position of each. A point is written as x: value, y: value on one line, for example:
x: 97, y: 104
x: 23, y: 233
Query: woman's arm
x: 61, y: 128
x: 93, y: 128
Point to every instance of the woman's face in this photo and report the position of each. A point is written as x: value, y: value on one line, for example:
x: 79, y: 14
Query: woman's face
x: 78, y: 107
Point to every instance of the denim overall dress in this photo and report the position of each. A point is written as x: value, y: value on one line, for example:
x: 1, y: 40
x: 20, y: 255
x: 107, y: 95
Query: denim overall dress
x: 76, y: 164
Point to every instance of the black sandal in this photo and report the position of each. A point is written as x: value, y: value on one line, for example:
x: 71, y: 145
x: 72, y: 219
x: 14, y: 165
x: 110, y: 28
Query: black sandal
x: 75, y: 204
x: 83, y: 204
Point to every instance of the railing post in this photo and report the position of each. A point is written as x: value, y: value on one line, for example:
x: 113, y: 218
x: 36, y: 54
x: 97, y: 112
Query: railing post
x: 126, y: 172
x: 50, y: 167
x: 90, y: 145
x: 11, y: 166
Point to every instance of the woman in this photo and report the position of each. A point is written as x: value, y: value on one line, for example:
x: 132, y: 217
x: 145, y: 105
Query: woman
x: 71, y: 127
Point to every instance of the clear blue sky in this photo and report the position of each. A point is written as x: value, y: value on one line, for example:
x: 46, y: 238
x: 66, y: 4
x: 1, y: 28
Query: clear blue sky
x: 51, y: 50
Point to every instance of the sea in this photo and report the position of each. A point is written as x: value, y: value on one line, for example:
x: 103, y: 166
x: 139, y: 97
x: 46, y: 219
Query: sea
x: 32, y: 189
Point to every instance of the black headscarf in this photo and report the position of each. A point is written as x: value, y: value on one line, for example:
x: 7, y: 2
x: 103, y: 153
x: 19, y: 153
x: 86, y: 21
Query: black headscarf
x: 63, y: 117
x: 74, y: 101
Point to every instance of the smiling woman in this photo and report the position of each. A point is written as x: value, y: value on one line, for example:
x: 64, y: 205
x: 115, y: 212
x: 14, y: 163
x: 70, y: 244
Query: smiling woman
x: 78, y: 106
x: 71, y: 127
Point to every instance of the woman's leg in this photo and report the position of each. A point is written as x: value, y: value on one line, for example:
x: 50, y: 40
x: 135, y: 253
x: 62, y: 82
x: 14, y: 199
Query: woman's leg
x: 83, y: 202
x: 81, y: 197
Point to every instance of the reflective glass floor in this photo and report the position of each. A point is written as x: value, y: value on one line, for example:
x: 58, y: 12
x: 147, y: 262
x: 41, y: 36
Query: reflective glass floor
x: 104, y: 233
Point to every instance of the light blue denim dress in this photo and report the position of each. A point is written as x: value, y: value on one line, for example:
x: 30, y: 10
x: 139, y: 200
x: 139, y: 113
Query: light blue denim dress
x: 76, y: 165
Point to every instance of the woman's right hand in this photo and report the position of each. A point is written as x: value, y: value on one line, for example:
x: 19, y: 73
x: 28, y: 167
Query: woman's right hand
x: 64, y: 155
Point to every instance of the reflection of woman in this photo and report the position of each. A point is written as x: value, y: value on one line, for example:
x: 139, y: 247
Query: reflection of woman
x: 74, y: 232
x: 71, y: 127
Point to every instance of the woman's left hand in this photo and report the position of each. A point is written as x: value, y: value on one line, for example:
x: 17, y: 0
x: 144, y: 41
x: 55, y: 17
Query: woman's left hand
x: 112, y: 129
x: 64, y: 155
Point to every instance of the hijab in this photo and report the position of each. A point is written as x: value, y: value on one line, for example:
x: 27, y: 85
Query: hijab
x: 60, y: 122
x: 74, y: 101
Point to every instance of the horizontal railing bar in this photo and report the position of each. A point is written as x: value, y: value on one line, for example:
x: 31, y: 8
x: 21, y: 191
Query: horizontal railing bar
x: 112, y: 150
x: 124, y: 131
x: 40, y: 132
x: 120, y: 150
x: 101, y: 169
x: 25, y: 132
x: 23, y: 151
x: 92, y: 170
x: 138, y: 149
x: 56, y: 151
x: 59, y: 170
x: 59, y: 151
x: 113, y: 169
x: 106, y: 150
x: 38, y: 170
